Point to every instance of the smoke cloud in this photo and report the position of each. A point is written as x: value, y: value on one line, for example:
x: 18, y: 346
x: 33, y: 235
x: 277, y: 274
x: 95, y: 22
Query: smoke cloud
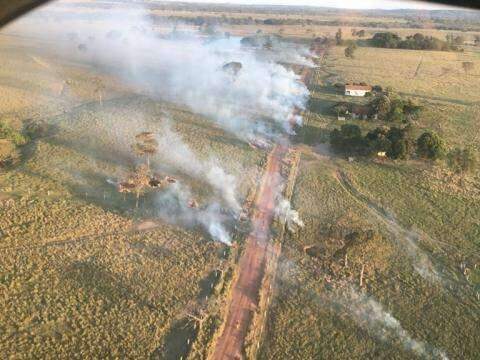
x: 187, y: 69
x: 256, y: 102
x: 173, y: 151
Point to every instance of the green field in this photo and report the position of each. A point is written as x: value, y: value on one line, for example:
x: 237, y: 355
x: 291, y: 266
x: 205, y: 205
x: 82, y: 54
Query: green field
x: 423, y: 285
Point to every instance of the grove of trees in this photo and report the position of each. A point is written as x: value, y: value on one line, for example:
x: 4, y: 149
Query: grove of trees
x: 397, y: 143
x: 391, y: 107
x: 413, y: 42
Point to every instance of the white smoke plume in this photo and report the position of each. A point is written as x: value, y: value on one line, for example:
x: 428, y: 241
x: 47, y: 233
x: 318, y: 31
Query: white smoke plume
x: 409, y: 241
x: 187, y: 70
x: 292, y: 218
x: 172, y: 206
x: 370, y: 314
x: 173, y: 151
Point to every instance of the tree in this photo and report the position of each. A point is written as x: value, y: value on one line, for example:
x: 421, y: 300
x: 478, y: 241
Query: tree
x: 209, y: 29
x: 402, y: 144
x: 430, y: 146
x: 338, y: 37
x: 348, y: 140
x: 137, y: 182
x: 145, y: 145
x: 268, y: 45
x: 382, y: 105
x: 350, y: 50
x: 377, y: 140
x: 476, y: 40
x: 459, y: 40
x: 462, y: 160
x: 468, y: 66
x: 396, y: 114
x: 411, y: 109
x: 341, y: 108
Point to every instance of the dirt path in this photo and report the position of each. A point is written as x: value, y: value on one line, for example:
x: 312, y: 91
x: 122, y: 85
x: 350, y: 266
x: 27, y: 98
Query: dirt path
x: 251, y: 266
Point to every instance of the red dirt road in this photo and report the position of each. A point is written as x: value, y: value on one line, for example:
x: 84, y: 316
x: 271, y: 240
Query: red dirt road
x: 251, y: 266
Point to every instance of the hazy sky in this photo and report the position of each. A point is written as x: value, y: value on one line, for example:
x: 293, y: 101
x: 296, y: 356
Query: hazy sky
x: 350, y: 4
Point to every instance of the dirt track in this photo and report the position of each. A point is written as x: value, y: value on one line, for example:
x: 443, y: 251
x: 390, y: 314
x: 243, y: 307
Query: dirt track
x: 244, y: 297
x: 251, y: 266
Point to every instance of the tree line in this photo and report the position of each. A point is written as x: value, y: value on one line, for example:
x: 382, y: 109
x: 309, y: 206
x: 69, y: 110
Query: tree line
x: 416, y: 42
x: 399, y: 143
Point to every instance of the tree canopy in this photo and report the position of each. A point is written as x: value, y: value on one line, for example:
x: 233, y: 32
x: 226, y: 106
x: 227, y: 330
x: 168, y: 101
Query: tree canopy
x: 430, y: 146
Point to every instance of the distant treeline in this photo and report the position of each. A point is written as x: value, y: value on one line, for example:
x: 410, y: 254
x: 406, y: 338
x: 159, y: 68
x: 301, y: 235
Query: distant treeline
x: 248, y: 20
x: 224, y: 19
x: 415, y: 42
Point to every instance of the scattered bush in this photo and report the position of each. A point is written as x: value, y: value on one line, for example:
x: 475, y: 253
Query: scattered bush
x: 350, y: 50
x: 462, y: 160
x: 8, y: 133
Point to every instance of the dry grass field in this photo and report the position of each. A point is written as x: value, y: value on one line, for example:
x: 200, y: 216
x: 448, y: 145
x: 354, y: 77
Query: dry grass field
x: 79, y: 276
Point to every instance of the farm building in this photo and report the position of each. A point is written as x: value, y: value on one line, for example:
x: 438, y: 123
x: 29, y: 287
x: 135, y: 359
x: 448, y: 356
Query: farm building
x: 357, y: 90
x: 345, y: 111
x: 363, y: 112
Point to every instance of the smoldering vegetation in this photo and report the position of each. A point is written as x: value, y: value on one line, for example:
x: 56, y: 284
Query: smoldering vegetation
x: 255, y: 103
x: 350, y: 303
x: 371, y: 315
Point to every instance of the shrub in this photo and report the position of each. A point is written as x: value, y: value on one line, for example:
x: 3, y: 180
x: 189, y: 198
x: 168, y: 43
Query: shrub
x: 6, y: 132
x: 462, y: 160
x: 348, y: 140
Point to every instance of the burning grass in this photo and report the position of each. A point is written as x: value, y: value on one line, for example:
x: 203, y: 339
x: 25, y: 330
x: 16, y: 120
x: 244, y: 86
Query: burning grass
x: 90, y: 283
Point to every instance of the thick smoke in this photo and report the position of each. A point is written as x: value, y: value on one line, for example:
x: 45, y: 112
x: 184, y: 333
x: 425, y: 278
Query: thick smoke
x: 187, y: 70
x: 292, y: 218
x: 257, y: 102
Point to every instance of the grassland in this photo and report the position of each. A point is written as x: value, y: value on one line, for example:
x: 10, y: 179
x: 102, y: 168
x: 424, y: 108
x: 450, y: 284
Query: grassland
x: 308, y: 320
x: 80, y: 279
x: 79, y: 276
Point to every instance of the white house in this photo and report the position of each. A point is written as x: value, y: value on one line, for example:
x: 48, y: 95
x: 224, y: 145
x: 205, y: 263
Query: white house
x: 357, y: 90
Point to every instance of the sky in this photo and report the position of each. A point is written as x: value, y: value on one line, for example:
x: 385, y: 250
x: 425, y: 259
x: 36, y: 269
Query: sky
x: 346, y: 4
